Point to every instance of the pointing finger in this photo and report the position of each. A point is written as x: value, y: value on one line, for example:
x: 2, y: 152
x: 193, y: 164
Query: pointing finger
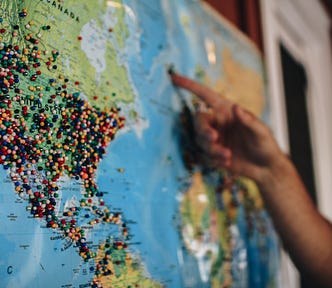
x: 203, y: 92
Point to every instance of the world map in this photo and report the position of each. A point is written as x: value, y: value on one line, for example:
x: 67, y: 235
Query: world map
x: 97, y: 184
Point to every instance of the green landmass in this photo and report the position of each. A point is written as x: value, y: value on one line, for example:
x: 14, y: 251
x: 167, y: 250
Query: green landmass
x: 64, y: 35
x: 118, y: 269
x: 203, y: 212
x: 197, y: 214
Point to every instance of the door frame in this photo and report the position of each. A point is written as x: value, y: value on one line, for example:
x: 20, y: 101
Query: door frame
x: 304, y: 30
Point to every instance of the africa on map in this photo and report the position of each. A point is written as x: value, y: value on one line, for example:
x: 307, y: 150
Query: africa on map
x: 96, y: 190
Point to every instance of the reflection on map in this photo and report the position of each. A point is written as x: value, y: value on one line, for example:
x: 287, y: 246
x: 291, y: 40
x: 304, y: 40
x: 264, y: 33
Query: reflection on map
x: 94, y: 189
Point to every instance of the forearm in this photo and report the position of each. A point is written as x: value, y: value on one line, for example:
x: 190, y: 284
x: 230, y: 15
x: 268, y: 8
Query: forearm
x: 305, y: 233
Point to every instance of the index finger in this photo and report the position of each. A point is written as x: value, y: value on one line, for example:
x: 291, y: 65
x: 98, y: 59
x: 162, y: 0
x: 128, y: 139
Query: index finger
x: 203, y: 92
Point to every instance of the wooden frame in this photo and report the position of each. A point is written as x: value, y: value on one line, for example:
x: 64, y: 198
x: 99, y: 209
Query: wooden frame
x: 244, y: 14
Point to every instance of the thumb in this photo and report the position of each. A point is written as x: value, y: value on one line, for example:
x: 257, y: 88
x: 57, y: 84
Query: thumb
x: 248, y: 120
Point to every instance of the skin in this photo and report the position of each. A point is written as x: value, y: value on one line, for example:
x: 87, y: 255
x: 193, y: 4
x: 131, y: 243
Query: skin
x: 233, y: 138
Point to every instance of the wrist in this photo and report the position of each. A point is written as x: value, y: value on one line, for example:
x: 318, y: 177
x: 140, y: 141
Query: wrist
x: 278, y: 168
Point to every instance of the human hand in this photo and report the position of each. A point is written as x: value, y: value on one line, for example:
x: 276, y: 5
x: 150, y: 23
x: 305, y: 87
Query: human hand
x: 233, y: 138
x: 229, y: 136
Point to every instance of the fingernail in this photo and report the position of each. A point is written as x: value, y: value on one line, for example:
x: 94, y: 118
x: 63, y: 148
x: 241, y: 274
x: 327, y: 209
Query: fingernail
x: 244, y: 114
x: 171, y: 70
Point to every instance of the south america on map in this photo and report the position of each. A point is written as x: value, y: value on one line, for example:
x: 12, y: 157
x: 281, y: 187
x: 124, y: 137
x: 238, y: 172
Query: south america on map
x: 95, y: 188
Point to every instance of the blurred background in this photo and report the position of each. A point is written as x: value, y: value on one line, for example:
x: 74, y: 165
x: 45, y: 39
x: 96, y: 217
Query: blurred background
x: 294, y: 37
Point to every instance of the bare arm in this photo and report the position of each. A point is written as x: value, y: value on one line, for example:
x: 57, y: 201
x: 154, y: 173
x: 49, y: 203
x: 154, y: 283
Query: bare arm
x: 304, y: 232
x: 235, y: 139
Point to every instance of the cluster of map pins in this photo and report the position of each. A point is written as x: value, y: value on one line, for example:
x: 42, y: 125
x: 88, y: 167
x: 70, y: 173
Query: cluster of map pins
x: 48, y: 131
